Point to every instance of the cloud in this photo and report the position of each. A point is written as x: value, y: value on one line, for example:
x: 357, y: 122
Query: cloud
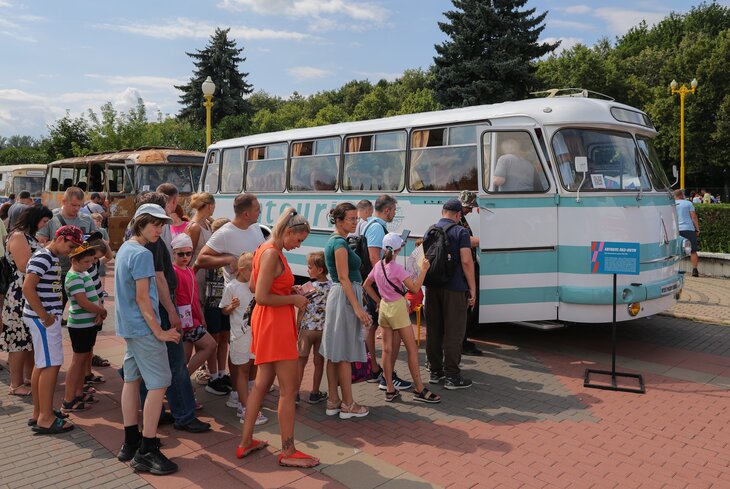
x: 367, y: 11
x: 576, y: 9
x: 153, y: 82
x: 182, y: 27
x: 621, y: 20
x: 565, y: 43
x: 379, y: 75
x: 3, y: 3
x: 308, y: 72
x: 570, y: 24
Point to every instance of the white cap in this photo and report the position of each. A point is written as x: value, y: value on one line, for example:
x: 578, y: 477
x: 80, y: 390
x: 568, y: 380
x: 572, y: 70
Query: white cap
x: 392, y: 241
x: 182, y: 240
x: 153, y: 210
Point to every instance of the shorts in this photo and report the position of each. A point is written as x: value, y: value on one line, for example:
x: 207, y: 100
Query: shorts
x: 47, y: 342
x: 82, y: 339
x: 239, y: 352
x: 308, y: 340
x: 691, y: 236
x: 216, y: 320
x: 191, y: 335
x: 146, y: 357
x: 394, y: 315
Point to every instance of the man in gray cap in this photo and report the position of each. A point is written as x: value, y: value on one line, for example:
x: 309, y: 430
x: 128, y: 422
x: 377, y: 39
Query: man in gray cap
x: 468, y: 201
x: 447, y: 304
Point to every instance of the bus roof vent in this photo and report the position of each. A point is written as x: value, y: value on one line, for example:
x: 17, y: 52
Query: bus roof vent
x: 571, y: 92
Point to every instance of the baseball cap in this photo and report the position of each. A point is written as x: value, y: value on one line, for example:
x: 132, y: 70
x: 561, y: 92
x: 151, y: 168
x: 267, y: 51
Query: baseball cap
x: 81, y: 248
x: 182, y: 240
x: 468, y: 198
x: 453, y: 205
x: 153, y: 210
x: 71, y: 233
x: 392, y: 241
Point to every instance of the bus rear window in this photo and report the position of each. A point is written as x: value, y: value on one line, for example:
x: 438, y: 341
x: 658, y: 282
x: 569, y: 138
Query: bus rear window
x: 444, y: 159
x: 375, y: 163
x: 266, y: 168
x: 314, y: 165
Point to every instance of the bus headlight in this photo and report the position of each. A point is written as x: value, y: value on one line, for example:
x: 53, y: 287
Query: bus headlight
x: 686, y: 247
x: 634, y: 308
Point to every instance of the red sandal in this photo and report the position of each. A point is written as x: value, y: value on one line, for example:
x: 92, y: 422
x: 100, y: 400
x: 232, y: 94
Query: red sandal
x: 297, y: 455
x: 255, y: 445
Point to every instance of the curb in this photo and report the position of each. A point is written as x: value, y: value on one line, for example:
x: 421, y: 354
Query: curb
x: 693, y: 317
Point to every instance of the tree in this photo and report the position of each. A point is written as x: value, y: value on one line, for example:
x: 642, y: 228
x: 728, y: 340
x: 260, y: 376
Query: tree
x: 491, y: 52
x: 116, y: 130
x: 219, y: 60
x: 68, y: 137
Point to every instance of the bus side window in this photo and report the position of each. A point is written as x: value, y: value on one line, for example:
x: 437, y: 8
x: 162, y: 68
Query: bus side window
x: 232, y: 168
x: 265, y: 170
x: 210, y: 184
x: 96, y: 178
x: 513, y: 164
x: 54, y: 174
x: 444, y: 159
x: 314, y: 165
x: 375, y: 162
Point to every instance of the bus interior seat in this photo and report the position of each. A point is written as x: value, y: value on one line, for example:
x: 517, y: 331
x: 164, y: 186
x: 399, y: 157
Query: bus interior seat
x: 67, y: 183
x: 54, y: 184
x: 113, y: 186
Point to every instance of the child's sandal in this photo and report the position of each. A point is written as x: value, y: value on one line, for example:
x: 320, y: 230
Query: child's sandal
x: 426, y: 396
x: 392, y: 396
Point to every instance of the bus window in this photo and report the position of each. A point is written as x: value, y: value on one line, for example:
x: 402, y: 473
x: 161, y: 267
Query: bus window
x: 265, y: 171
x: 314, y: 165
x: 210, y: 184
x: 54, y: 179
x: 96, y: 178
x: 614, y: 160
x: 149, y: 177
x: 375, y: 162
x: 444, y: 159
x: 118, y: 181
x: 66, y: 178
x: 232, y: 167
x: 80, y: 178
x: 512, y: 164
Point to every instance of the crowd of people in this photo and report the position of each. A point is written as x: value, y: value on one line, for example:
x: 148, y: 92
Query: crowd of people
x: 215, y: 300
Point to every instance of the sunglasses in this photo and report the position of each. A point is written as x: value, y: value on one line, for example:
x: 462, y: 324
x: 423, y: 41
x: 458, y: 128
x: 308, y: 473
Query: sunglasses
x: 184, y: 253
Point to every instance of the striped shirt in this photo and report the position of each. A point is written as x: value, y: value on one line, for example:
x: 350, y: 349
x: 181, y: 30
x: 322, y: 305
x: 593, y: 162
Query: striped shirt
x: 94, y: 274
x: 45, y: 264
x: 80, y: 282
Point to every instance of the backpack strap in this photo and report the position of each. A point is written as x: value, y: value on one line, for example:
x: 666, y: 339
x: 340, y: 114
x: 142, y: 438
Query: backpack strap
x: 365, y: 229
x: 397, y: 289
x: 61, y: 219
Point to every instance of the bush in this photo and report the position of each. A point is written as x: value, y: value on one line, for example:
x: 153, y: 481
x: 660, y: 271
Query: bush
x: 714, y: 227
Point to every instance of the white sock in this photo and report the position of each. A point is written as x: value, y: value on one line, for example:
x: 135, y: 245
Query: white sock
x: 221, y: 373
x: 214, y: 376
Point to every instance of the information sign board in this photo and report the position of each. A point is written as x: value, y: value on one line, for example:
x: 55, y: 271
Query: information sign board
x: 611, y: 257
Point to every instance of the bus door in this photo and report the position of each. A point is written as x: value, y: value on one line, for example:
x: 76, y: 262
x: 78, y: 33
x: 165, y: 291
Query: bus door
x: 518, y: 229
x: 120, y: 202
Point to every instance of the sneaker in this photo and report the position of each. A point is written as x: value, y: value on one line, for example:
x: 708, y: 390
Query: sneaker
x: 166, y: 418
x: 232, y: 401
x: 194, y: 426
x: 126, y: 453
x: 458, y: 382
x: 317, y: 397
x: 436, y: 377
x: 695, y: 273
x: 226, y: 380
x: 398, y: 383
x: 374, y: 377
x: 153, y: 462
x: 298, y: 399
x: 260, y: 419
x: 217, y: 387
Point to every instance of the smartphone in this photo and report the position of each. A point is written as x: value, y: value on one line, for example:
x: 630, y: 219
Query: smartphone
x: 404, y: 235
x: 306, y: 289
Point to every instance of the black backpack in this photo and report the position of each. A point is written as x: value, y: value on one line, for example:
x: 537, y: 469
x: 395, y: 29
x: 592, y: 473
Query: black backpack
x: 359, y: 244
x: 437, y: 252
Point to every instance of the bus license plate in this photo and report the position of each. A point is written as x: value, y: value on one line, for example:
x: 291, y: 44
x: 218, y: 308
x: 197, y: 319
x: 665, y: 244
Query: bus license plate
x: 668, y: 289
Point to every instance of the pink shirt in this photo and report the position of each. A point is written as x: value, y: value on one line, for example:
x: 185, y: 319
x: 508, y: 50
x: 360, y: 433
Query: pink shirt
x: 186, y: 293
x: 396, y: 273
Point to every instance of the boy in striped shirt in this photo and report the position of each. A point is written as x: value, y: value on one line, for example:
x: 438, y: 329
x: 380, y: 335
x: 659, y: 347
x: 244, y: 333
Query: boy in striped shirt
x: 85, y: 314
x: 42, y: 315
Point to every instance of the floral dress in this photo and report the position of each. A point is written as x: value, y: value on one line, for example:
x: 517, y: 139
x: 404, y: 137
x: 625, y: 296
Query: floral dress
x: 15, y: 335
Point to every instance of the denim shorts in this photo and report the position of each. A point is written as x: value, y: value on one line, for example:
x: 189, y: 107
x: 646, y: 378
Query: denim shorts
x: 146, y: 357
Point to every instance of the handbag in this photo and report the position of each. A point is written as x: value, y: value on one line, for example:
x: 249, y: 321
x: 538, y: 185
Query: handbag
x: 361, y: 371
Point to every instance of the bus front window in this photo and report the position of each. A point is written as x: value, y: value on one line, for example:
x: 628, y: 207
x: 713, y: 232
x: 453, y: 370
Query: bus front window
x: 149, y: 177
x: 657, y: 175
x: 34, y: 185
x: 614, y: 160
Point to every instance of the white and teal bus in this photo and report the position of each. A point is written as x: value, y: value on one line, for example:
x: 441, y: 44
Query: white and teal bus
x: 537, y: 214
x: 16, y: 178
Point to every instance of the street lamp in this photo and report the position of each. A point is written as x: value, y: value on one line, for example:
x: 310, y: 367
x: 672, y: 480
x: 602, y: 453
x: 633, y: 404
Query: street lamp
x: 682, y: 92
x: 208, y: 91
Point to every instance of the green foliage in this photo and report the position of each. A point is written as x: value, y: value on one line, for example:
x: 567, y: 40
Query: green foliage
x: 490, y: 54
x: 112, y: 130
x: 18, y: 156
x: 714, y: 226
x: 220, y: 60
x: 68, y: 137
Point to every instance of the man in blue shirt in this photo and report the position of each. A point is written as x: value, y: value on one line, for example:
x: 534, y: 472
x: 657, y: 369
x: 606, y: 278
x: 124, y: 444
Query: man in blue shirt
x: 375, y: 230
x: 689, y: 226
x: 447, y: 307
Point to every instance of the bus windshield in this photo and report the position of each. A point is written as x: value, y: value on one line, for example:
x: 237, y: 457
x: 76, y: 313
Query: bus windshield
x: 148, y: 177
x: 34, y: 185
x: 657, y: 175
x: 614, y: 160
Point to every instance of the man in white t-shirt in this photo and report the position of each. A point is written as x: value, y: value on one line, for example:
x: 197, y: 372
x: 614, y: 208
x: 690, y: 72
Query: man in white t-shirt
x: 241, y: 235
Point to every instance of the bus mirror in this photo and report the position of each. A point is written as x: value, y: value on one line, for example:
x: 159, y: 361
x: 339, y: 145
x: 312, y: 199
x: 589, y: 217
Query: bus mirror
x: 675, y: 174
x: 581, y: 164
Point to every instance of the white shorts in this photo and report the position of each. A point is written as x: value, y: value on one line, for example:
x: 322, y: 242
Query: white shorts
x: 240, y: 350
x: 47, y: 342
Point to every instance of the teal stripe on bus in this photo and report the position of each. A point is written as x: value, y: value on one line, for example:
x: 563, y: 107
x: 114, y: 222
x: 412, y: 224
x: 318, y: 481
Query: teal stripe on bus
x: 524, y: 295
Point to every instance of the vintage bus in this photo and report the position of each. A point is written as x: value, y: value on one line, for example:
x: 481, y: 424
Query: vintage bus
x: 581, y: 169
x: 16, y: 178
x: 121, y: 176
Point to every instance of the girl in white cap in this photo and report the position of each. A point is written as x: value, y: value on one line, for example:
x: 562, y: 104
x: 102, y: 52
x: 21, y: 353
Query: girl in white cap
x: 391, y: 278
x: 194, y: 332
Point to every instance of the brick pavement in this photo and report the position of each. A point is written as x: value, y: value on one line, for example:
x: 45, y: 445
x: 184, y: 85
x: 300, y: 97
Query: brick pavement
x: 527, y: 422
x: 704, y: 299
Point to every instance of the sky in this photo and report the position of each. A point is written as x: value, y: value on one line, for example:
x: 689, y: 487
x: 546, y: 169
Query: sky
x: 75, y: 55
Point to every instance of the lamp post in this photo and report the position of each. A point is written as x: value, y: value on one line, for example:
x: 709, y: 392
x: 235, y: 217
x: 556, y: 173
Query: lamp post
x: 682, y: 91
x: 208, y: 91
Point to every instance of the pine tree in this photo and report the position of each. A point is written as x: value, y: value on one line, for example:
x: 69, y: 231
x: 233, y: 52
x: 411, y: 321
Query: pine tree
x: 219, y: 60
x: 491, y: 52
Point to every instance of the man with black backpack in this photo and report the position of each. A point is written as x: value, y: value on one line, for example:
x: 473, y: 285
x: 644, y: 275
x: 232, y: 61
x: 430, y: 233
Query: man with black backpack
x: 450, y: 293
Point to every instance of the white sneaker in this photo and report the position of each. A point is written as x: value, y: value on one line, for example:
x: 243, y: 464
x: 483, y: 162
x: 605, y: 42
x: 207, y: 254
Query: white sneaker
x: 260, y: 419
x: 232, y: 401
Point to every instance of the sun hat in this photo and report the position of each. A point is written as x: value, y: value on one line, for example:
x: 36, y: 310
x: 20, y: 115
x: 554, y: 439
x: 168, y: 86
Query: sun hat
x: 153, y: 210
x: 85, y: 246
x: 182, y: 240
x: 71, y: 233
x: 468, y: 199
x: 392, y: 241
x: 453, y: 205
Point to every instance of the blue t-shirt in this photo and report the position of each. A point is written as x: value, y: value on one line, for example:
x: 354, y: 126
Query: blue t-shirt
x: 684, y: 207
x: 375, y: 231
x: 458, y: 238
x: 133, y: 262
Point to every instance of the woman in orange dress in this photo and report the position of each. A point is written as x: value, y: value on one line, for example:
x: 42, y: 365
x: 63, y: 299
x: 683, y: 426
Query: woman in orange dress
x: 273, y: 327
